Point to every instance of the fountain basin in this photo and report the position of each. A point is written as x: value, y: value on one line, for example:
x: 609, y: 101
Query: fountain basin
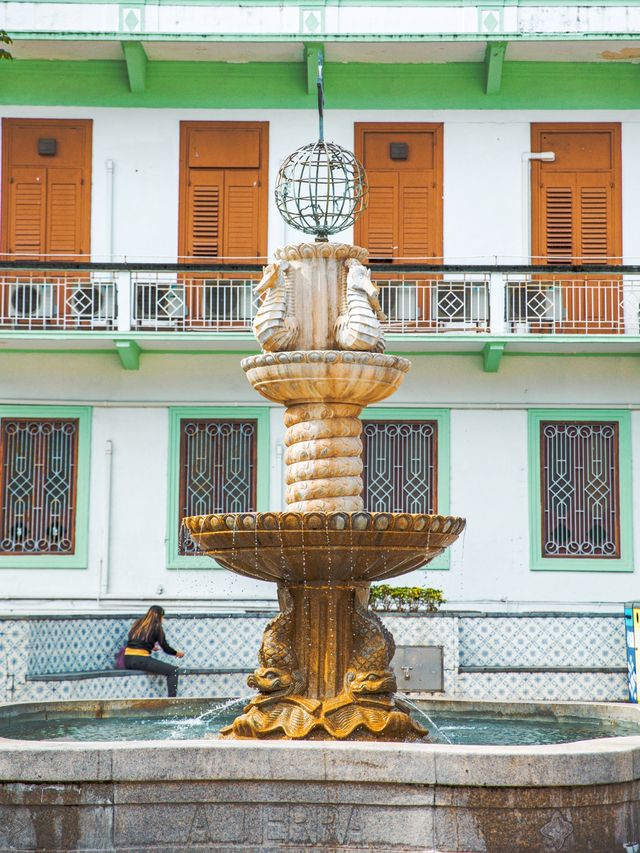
x: 327, y: 376
x: 316, y: 546
x: 168, y: 796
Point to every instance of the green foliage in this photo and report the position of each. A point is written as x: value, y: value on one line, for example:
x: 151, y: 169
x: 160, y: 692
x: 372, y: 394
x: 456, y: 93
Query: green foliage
x: 5, y: 39
x: 406, y: 599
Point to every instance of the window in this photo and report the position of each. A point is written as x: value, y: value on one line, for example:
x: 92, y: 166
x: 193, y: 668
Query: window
x: 223, y: 191
x: 46, y: 205
x: 582, y: 491
x: 403, y: 218
x: 400, y: 466
x: 219, y: 462
x: 576, y: 218
x: 44, y: 470
x: 406, y: 463
x: 217, y: 469
x: 576, y: 207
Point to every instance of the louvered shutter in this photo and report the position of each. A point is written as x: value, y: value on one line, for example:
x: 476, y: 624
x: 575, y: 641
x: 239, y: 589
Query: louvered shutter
x: 64, y: 213
x: 596, y: 217
x: 557, y: 222
x: 379, y: 223
x: 26, y: 211
x: 241, y: 222
x: 204, y: 196
x: 417, y: 215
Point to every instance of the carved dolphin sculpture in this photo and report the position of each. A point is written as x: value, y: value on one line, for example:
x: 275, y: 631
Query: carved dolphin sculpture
x: 275, y: 325
x: 358, y: 324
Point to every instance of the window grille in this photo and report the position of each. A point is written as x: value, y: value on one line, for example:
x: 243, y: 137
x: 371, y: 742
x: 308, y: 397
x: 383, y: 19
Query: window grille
x: 400, y: 466
x: 580, y: 489
x: 217, y: 470
x: 39, y: 473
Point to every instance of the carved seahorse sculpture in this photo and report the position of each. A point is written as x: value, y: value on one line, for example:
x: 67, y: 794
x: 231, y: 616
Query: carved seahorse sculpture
x: 359, y: 313
x: 368, y: 671
x: 278, y: 674
x: 275, y: 325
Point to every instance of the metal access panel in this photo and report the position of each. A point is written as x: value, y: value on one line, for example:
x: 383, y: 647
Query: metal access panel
x: 419, y: 668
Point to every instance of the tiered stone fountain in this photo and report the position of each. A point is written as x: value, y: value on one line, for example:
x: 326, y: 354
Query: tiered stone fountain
x: 325, y: 659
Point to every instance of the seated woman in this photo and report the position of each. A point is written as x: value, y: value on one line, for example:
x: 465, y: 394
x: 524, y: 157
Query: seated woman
x: 143, y: 636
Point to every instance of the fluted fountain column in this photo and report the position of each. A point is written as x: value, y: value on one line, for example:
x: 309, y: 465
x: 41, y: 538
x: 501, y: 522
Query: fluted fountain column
x: 323, y: 457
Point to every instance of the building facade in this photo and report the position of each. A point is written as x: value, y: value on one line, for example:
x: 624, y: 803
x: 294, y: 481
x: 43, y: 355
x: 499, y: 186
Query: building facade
x: 140, y: 149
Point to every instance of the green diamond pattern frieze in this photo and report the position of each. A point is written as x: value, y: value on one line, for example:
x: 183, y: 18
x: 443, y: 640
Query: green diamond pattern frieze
x: 490, y: 20
x: 131, y: 19
x: 311, y: 20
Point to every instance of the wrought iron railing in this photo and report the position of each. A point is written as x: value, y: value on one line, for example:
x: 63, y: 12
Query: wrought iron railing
x: 416, y: 298
x: 214, y: 302
x: 57, y: 299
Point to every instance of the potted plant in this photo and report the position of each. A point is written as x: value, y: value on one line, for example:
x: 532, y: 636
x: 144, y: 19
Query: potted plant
x: 405, y: 599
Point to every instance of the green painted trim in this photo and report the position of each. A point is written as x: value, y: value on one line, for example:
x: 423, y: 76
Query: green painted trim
x: 263, y: 462
x: 625, y: 461
x: 269, y: 85
x: 443, y: 419
x: 136, y: 61
x: 129, y: 354
x: 311, y: 51
x: 492, y: 356
x: 493, y: 64
x: 78, y: 560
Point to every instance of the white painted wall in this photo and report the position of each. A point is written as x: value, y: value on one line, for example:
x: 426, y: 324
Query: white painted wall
x: 485, y: 205
x: 484, y: 212
x: 488, y: 469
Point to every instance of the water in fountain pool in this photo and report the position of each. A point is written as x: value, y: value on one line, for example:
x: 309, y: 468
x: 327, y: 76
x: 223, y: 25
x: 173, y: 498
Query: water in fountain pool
x: 197, y: 719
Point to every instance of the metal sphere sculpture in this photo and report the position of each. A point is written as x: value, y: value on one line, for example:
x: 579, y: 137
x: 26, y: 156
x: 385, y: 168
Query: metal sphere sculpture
x: 321, y: 189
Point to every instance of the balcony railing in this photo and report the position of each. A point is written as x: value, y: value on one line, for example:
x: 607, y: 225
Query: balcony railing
x: 416, y: 298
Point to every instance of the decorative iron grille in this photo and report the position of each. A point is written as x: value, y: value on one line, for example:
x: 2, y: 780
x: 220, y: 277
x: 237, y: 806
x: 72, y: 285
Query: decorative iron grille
x: 217, y: 470
x: 400, y: 466
x: 39, y: 468
x: 580, y: 489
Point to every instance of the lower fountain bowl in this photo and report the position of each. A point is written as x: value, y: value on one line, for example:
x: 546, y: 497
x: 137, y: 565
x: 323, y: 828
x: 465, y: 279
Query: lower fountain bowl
x: 295, y: 547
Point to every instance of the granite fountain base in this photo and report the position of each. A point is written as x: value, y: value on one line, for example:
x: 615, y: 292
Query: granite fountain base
x: 276, y: 796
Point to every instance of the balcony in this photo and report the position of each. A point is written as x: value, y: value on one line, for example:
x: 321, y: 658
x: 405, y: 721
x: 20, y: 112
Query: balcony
x: 430, y: 308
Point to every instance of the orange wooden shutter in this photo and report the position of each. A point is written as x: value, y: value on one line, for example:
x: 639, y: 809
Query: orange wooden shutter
x: 223, y: 190
x: 576, y: 219
x: 204, y: 196
x: 576, y: 211
x: 241, y: 220
x: 46, y: 199
x: 417, y: 232
x: 64, y: 212
x: 379, y: 223
x: 404, y: 214
x: 26, y: 211
x: 596, y: 217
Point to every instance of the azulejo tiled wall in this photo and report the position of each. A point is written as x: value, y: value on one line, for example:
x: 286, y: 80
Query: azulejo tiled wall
x: 42, y: 646
x: 542, y: 641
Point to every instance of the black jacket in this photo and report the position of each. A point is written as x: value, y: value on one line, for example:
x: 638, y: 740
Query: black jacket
x: 147, y: 645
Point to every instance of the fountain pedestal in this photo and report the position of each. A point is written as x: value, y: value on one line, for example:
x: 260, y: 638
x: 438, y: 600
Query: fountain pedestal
x: 325, y: 660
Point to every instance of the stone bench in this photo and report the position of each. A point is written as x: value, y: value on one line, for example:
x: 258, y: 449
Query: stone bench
x: 119, y: 673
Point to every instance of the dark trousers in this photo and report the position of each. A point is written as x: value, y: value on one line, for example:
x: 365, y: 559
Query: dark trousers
x: 149, y: 664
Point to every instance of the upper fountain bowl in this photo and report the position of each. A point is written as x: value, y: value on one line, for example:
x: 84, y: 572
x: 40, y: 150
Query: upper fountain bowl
x: 329, y: 376
x: 297, y: 547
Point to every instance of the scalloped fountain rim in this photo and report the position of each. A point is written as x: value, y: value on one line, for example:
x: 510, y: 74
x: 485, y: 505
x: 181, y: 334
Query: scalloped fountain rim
x: 312, y: 547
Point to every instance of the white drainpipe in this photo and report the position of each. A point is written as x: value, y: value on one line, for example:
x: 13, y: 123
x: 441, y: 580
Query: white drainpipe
x: 110, y: 165
x: 527, y: 157
x: 105, y: 562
